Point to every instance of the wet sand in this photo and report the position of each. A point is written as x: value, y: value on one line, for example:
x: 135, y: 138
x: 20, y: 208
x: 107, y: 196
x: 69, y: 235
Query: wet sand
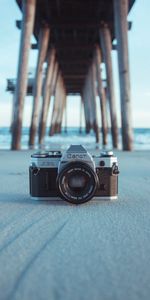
x: 53, y: 250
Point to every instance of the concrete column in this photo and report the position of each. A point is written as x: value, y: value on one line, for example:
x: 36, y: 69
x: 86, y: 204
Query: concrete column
x: 121, y: 31
x: 43, y: 46
x: 28, y: 10
x: 102, y: 95
x: 106, y: 44
x: 46, y: 94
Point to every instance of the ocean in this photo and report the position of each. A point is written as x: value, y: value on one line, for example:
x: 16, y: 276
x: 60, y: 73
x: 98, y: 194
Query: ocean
x: 141, y: 139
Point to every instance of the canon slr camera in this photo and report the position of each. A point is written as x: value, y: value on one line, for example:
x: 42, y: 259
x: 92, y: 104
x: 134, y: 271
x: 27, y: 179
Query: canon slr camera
x: 75, y: 175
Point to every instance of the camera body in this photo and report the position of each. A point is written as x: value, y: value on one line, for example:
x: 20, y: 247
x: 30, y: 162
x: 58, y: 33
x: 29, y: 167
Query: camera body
x: 75, y: 175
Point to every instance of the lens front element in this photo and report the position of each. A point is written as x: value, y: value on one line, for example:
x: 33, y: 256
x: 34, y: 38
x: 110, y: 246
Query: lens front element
x: 77, y: 182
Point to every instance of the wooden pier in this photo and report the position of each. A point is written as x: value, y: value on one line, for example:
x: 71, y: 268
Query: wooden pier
x: 73, y: 39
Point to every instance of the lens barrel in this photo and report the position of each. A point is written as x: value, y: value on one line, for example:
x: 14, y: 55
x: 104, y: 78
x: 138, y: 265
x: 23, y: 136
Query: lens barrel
x: 77, y: 182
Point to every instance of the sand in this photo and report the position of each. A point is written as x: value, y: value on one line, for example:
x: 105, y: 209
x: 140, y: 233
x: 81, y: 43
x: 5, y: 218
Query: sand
x: 53, y: 250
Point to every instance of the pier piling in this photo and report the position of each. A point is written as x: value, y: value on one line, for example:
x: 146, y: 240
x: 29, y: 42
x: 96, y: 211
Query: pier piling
x: 56, y: 105
x: 106, y: 44
x: 101, y: 94
x: 81, y: 42
x: 37, y: 89
x: 121, y: 30
x: 46, y: 94
x: 58, y: 125
x: 94, y: 102
x: 28, y: 10
x: 86, y: 108
x: 53, y: 87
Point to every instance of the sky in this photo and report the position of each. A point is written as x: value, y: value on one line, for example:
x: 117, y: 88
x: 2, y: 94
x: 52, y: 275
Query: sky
x: 139, y: 56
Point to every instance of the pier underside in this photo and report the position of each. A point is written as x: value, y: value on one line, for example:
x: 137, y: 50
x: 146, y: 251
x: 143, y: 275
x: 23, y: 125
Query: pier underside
x: 73, y: 39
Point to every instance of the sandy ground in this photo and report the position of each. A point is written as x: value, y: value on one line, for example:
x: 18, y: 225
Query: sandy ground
x: 99, y: 250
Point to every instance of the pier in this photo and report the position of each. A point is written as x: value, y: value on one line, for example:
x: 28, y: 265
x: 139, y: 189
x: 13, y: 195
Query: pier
x: 54, y: 250
x: 73, y: 39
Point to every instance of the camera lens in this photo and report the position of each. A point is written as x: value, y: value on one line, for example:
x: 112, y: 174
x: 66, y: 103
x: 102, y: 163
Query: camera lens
x: 77, y: 182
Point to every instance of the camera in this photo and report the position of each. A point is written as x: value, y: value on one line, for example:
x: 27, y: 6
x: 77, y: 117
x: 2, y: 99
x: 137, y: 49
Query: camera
x: 75, y: 175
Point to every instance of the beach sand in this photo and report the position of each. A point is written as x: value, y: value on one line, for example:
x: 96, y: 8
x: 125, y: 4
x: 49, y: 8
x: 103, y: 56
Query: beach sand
x: 94, y: 251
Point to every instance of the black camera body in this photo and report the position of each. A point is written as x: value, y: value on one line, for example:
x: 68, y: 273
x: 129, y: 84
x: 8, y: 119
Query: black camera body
x: 75, y: 175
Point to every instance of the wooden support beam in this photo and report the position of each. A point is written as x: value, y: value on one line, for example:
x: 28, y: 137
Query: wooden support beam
x: 65, y: 113
x: 58, y: 124
x: 63, y: 26
x: 74, y: 77
x: 85, y: 26
x: 74, y: 87
x: 120, y: 13
x: 12, y: 113
x: 74, y: 46
x: 54, y: 80
x: 74, y: 84
x: 106, y: 45
x: 87, y: 105
x: 94, y: 104
x: 61, y: 110
x: 28, y: 10
x: 89, y: 96
x: 89, y: 100
x: 57, y: 103
x: 101, y: 94
x: 80, y: 64
x: 74, y: 72
x: 53, y: 85
x: 81, y: 108
x: 80, y: 25
x: 68, y: 57
x: 86, y: 113
x: 74, y: 63
x: 37, y: 88
x: 46, y: 95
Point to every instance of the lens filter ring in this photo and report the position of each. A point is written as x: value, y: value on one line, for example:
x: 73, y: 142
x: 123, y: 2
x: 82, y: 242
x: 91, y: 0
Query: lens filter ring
x: 77, y: 182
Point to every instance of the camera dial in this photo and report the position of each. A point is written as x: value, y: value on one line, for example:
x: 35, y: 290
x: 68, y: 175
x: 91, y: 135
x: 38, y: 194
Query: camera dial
x: 40, y: 155
x: 55, y: 154
x: 107, y: 153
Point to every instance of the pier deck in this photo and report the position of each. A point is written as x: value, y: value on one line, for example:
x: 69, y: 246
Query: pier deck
x: 93, y: 251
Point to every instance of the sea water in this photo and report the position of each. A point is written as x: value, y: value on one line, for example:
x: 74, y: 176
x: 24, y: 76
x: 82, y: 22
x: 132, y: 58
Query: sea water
x: 73, y: 136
